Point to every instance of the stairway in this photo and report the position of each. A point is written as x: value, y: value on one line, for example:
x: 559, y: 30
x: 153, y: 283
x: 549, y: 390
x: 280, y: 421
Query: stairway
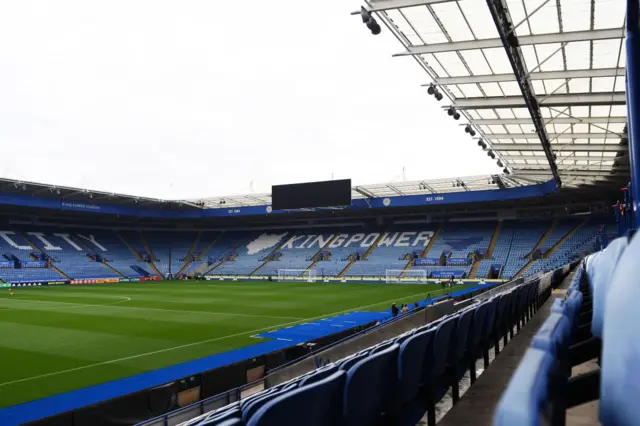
x: 563, y: 239
x: 489, y: 253
x: 222, y: 261
x: 524, y: 269
x: 126, y: 243
x: 148, y: 250
x: 317, y: 255
x: 55, y: 268
x: 543, y: 239
x: 436, y: 234
x: 474, y: 268
x: 272, y: 252
x: 189, y: 254
x: 204, y: 252
x: 408, y: 266
x: 113, y: 269
x: 494, y: 240
x: 346, y: 268
x: 373, y: 246
x: 80, y: 242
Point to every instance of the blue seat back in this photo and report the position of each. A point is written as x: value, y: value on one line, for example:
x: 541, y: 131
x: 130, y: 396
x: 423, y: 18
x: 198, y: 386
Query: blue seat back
x: 602, y: 268
x: 319, y: 374
x: 317, y: 404
x: 410, y: 363
x: 554, y: 336
x: 369, y: 387
x: 347, y: 363
x: 218, y: 418
x: 438, y: 354
x: 478, y: 329
x: 461, y: 337
x: 620, y: 369
x: 491, y: 317
x: 527, y: 401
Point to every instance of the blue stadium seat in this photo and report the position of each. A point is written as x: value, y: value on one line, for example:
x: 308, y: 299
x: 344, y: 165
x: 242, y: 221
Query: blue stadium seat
x: 600, y: 268
x: 476, y: 337
x: 317, y: 404
x: 620, y: 380
x: 460, y: 350
x: 528, y: 399
x: 435, y: 372
x: 219, y: 418
x: 370, y: 387
x: 320, y: 374
x: 349, y: 362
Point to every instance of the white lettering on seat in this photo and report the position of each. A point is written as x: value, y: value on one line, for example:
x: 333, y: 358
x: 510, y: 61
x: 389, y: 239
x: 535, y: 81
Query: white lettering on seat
x: 5, y: 236
x: 320, y: 240
x: 292, y: 240
x: 69, y: 241
x: 369, y: 240
x: 355, y: 238
x: 403, y: 239
x: 338, y: 241
x: 425, y: 237
x: 387, y: 239
x: 47, y: 245
x: 92, y: 239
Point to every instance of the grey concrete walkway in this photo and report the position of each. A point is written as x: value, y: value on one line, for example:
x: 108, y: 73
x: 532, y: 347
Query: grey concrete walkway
x: 478, y: 403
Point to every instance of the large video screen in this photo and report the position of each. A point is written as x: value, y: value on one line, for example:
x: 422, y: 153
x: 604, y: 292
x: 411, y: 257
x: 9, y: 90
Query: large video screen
x: 332, y: 193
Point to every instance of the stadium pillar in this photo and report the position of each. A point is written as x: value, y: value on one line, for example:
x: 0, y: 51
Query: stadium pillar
x: 633, y: 101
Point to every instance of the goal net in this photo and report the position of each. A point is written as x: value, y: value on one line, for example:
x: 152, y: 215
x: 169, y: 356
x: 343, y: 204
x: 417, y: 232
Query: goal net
x: 409, y: 276
x: 296, y: 275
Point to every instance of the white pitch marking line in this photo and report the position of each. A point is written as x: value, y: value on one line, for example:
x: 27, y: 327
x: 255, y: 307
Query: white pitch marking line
x: 188, y: 345
x: 113, y: 305
x: 75, y: 305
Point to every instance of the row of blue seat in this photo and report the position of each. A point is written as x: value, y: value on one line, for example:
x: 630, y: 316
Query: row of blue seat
x: 596, y: 320
x: 395, y: 382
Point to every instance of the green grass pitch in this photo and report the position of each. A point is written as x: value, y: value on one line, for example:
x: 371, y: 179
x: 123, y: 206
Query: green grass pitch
x: 57, y: 339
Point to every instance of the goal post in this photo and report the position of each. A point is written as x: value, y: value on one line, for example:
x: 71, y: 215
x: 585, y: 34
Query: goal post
x: 409, y: 276
x: 297, y: 275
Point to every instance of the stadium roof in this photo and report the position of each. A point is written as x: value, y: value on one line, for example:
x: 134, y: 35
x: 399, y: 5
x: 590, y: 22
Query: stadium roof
x: 393, y: 189
x: 541, y: 82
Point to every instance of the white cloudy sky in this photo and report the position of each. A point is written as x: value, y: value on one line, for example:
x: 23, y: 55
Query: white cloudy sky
x: 185, y: 99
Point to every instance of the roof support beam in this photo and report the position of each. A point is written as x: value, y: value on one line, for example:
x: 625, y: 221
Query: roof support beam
x: 577, y: 147
x: 582, y: 99
x: 363, y: 192
x: 552, y: 136
x: 382, y: 5
x: 511, y: 43
x: 493, y: 43
x: 560, y: 160
x: 559, y: 120
x: 530, y: 172
x: 571, y: 168
x: 547, y: 75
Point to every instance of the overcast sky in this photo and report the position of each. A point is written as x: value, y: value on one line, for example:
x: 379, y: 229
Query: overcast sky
x: 185, y: 99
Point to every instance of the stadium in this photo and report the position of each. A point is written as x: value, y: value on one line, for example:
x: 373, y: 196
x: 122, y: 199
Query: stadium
x: 503, y: 299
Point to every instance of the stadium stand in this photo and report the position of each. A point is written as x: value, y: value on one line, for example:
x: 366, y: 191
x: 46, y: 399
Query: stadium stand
x: 440, y: 251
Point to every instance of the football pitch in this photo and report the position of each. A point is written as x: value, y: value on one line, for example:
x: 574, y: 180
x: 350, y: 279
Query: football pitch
x: 60, y: 338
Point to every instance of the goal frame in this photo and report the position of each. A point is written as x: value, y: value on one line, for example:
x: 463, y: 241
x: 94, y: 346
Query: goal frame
x: 392, y: 276
x: 303, y: 275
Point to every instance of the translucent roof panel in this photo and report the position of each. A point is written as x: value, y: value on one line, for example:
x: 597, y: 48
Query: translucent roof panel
x: 572, y: 53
